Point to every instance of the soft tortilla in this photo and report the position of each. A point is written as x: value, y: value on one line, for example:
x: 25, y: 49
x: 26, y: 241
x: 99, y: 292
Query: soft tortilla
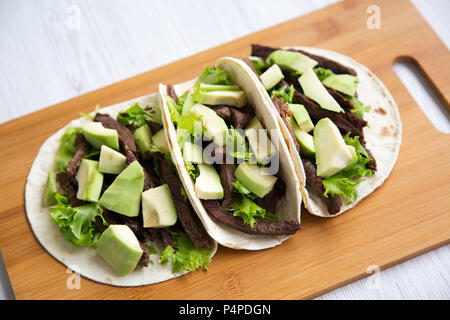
x: 84, y: 260
x: 287, y: 209
x: 383, y: 134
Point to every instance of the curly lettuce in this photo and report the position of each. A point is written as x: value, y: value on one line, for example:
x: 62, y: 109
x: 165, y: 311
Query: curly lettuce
x: 281, y: 93
x: 187, y: 256
x: 66, y: 149
x: 76, y: 223
x: 136, y: 117
x: 249, y: 211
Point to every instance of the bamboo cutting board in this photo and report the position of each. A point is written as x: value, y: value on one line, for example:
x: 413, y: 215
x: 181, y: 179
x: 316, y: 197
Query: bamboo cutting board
x: 408, y: 215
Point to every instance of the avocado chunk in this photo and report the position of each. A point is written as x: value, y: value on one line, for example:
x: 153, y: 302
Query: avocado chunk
x: 259, y: 141
x: 158, y: 208
x: 305, y: 140
x: 271, y: 77
x: 230, y: 98
x: 207, y: 184
x: 160, y: 142
x: 120, y: 248
x: 192, y: 153
x: 332, y: 153
x: 50, y: 189
x: 313, y: 89
x: 293, y: 61
x: 124, y: 194
x: 218, y: 87
x: 97, y: 135
x: 143, y: 138
x: 187, y: 105
x: 111, y: 161
x: 90, y: 181
x: 255, y: 179
x: 344, y: 83
x: 215, y: 127
x: 301, y: 116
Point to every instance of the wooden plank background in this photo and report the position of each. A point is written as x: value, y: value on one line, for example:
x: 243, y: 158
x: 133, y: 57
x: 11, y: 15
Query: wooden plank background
x: 140, y: 85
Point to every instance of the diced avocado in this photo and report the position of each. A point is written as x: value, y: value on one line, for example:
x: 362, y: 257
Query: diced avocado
x: 192, y: 153
x: 90, y: 180
x: 301, y: 116
x: 158, y: 208
x: 218, y: 87
x: 120, y: 248
x: 271, y: 77
x: 124, y: 194
x: 111, y: 161
x: 159, y: 140
x: 215, y: 127
x: 50, y: 189
x: 230, y: 98
x: 207, y: 184
x: 255, y: 179
x: 332, y: 153
x: 187, y: 105
x: 344, y: 83
x: 143, y: 138
x: 97, y: 135
x: 182, y: 136
x: 305, y: 140
x: 259, y: 141
x: 294, y: 61
x: 313, y: 89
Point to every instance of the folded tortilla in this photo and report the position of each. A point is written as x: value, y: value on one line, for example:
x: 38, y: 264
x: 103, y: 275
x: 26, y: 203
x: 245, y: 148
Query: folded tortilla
x: 383, y: 134
x: 84, y: 260
x: 287, y: 209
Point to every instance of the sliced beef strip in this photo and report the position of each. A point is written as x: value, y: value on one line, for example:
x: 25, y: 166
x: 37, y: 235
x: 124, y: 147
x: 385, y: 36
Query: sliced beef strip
x: 343, y: 101
x: 70, y: 188
x: 171, y: 93
x: 226, y: 173
x: 271, y: 199
x: 240, y: 117
x: 279, y: 105
x: 262, y: 227
x: 316, y: 113
x: 223, y: 111
x: 143, y: 261
x: 189, y: 221
x: 126, y: 138
x: 336, y: 67
x: 333, y: 203
x: 82, y: 150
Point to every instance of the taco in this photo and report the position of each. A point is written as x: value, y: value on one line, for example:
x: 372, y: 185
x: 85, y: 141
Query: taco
x: 103, y: 198
x: 231, y: 157
x: 341, y: 124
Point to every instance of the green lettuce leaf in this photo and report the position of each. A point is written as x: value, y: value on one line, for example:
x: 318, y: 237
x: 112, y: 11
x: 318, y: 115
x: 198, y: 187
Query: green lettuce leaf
x: 249, y: 211
x: 241, y: 189
x: 135, y: 116
x: 281, y: 93
x: 344, y: 182
x: 360, y: 108
x: 187, y: 256
x: 66, y: 149
x: 76, y: 224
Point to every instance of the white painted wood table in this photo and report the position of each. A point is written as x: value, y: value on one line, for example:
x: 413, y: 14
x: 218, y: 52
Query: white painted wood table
x: 52, y: 51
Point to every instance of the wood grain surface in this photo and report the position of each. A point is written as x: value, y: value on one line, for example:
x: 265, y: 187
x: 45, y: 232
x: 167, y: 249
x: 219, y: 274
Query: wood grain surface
x: 405, y: 217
